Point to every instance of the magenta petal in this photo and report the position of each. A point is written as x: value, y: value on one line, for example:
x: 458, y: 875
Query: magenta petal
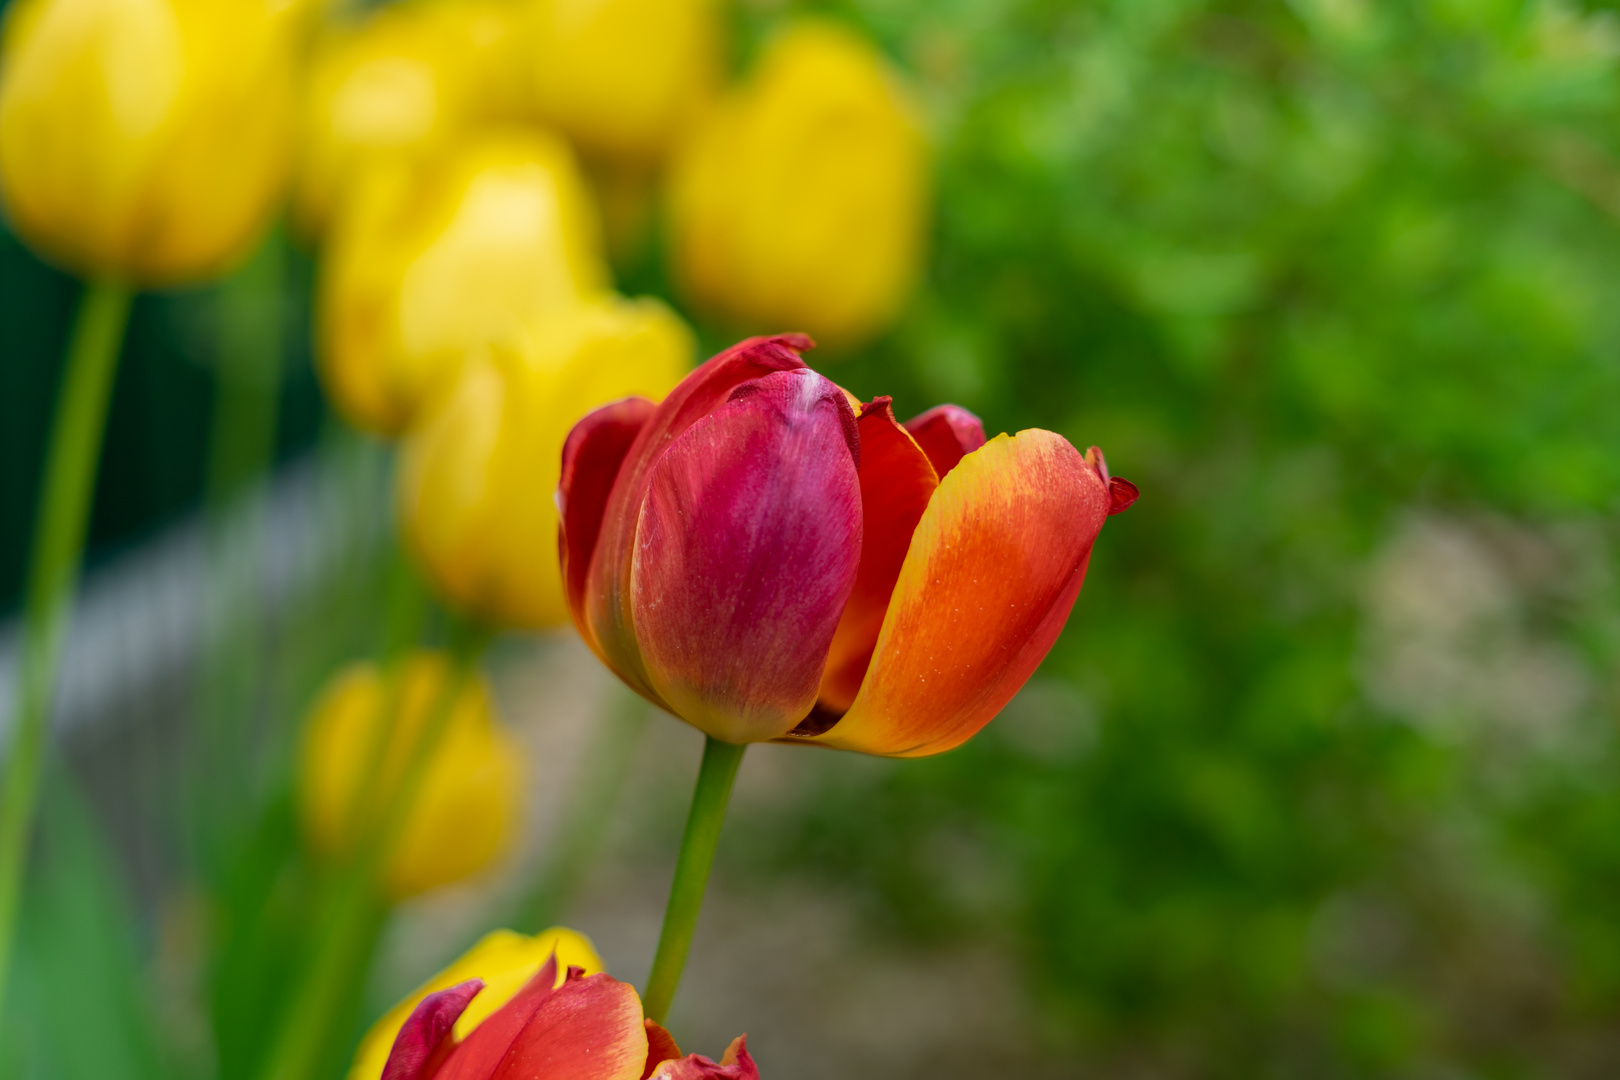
x: 947, y: 434
x: 426, y: 1027
x: 746, y: 552
x: 606, y: 599
x: 591, y: 458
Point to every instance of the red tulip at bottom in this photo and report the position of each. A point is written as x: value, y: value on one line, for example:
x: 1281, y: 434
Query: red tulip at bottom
x: 768, y: 558
x: 588, y: 1028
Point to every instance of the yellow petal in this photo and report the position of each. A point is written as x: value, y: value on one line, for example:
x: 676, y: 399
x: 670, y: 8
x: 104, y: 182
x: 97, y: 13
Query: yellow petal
x: 478, y: 474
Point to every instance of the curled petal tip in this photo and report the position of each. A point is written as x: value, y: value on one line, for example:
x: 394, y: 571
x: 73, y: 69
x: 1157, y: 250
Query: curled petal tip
x: 797, y: 341
x: 1121, y: 494
x: 429, y: 1024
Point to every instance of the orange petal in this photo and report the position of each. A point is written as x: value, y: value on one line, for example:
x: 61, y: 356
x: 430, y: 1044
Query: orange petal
x: 896, y: 483
x: 588, y: 1029
x: 994, y: 568
x: 661, y: 1047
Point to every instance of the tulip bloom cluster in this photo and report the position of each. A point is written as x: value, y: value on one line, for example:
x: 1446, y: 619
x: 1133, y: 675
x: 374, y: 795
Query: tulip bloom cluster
x: 584, y: 1027
x: 767, y: 558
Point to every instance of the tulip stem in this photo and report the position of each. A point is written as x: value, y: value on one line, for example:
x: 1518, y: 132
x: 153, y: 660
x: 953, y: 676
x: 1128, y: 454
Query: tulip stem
x: 703, y: 823
x: 59, y: 532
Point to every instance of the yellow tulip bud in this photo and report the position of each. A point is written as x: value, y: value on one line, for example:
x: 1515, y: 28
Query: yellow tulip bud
x: 401, y: 85
x: 144, y: 140
x: 426, y: 264
x: 466, y: 806
x: 623, y: 77
x: 800, y: 204
x: 477, y: 474
x: 506, y: 961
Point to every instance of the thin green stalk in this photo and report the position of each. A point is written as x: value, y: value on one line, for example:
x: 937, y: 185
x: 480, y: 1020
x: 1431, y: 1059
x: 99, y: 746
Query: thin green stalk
x: 64, y: 511
x: 248, y: 365
x: 321, y: 1012
x: 703, y: 823
x: 600, y: 783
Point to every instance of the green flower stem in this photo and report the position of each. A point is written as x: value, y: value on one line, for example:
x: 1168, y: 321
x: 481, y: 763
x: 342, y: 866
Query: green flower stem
x: 703, y: 823
x: 64, y: 511
x: 250, y: 343
x: 323, y: 1010
x: 600, y: 783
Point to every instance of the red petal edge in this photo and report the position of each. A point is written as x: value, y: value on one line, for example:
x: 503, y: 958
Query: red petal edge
x: 736, y: 1064
x: 591, y: 458
x: 426, y: 1029
x: 947, y: 434
x: 1121, y: 492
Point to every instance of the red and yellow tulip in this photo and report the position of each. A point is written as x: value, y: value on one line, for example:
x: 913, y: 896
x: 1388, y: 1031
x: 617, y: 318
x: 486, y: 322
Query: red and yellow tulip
x: 768, y: 558
x: 576, y: 1027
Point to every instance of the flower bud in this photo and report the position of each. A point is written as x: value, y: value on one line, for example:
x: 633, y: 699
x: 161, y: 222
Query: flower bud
x: 478, y: 467
x: 398, y: 86
x: 359, y: 740
x: 767, y: 561
x: 427, y: 264
x: 504, y: 961
x: 801, y: 201
x: 623, y: 77
x: 144, y: 141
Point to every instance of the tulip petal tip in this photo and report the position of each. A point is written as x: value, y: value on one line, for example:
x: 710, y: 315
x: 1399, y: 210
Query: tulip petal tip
x: 1121, y: 494
x: 429, y: 1024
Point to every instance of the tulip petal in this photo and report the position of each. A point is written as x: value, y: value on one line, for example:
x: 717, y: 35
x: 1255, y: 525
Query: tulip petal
x: 606, y: 601
x: 480, y: 1052
x: 896, y: 483
x: 946, y: 433
x: 745, y: 556
x: 661, y: 1047
x: 588, y: 1029
x: 736, y: 1064
x: 426, y: 1028
x: 994, y: 568
x: 591, y: 458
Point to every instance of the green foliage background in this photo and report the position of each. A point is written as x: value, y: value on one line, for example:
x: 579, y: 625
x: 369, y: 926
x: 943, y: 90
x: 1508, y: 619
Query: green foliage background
x: 1313, y: 274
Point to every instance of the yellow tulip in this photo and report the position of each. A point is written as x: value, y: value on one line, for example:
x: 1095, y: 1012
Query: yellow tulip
x: 466, y: 807
x: 400, y: 85
x: 478, y: 472
x: 145, y: 141
x: 504, y: 960
x: 800, y: 204
x: 428, y: 263
x: 623, y: 77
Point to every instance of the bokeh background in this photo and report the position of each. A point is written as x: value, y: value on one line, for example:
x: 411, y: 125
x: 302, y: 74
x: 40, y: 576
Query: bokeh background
x: 1322, y: 780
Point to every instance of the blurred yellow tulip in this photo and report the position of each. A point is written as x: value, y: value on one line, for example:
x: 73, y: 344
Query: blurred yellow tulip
x: 478, y: 472
x: 145, y: 141
x: 428, y: 263
x: 800, y: 204
x: 464, y: 812
x: 504, y: 960
x: 400, y: 85
x: 623, y: 78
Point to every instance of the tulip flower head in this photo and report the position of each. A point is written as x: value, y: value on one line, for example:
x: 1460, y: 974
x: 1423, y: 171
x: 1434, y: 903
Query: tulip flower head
x: 767, y: 558
x: 583, y: 1027
x: 504, y: 962
x: 427, y: 265
x: 464, y: 812
x: 399, y: 86
x: 801, y: 200
x: 144, y: 141
x: 623, y: 78
x: 472, y: 465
